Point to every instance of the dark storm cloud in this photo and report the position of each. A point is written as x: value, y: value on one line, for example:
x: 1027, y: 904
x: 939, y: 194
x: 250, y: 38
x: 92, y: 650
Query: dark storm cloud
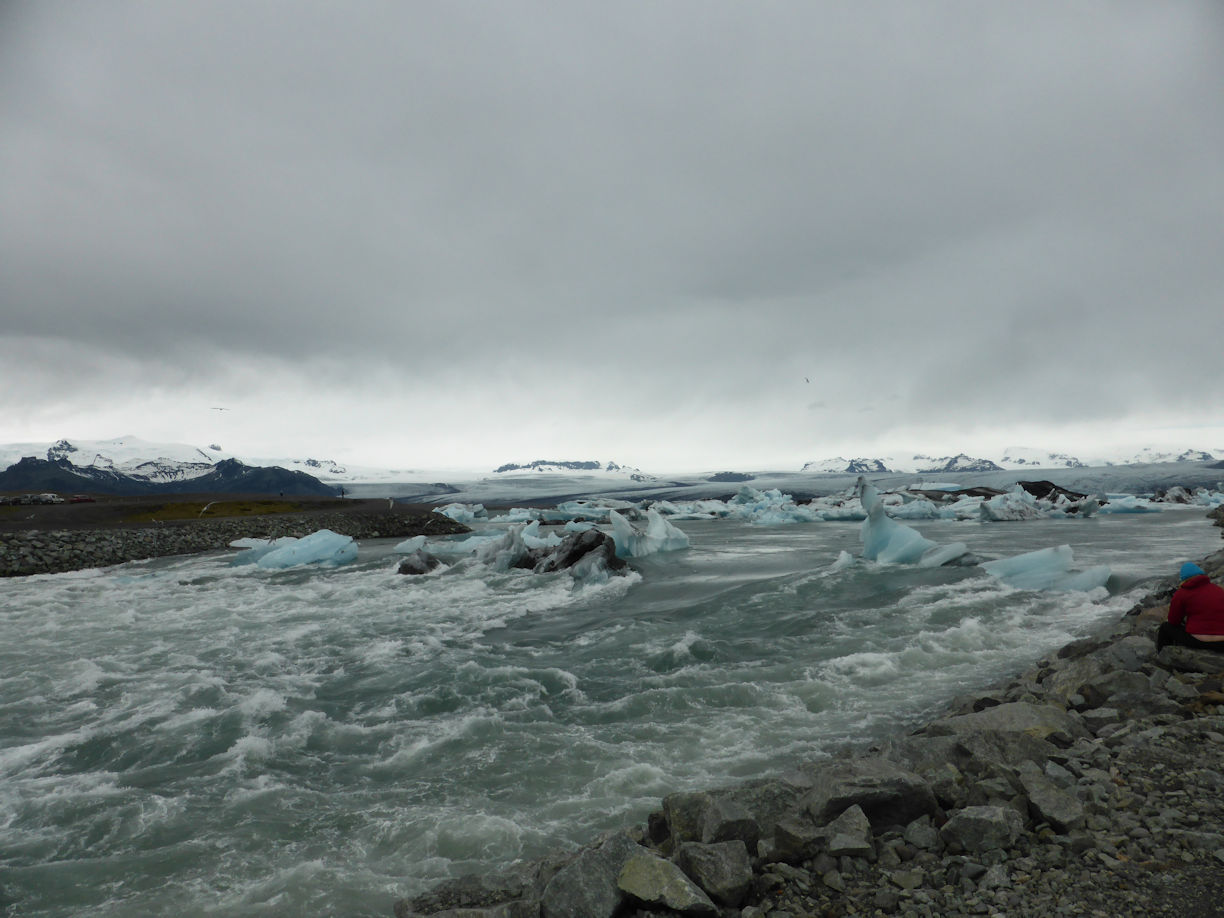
x: 738, y: 195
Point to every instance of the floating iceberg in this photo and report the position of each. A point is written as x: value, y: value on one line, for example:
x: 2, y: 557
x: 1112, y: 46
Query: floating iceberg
x: 889, y: 542
x: 1128, y: 503
x: 463, y: 513
x: 660, y: 536
x: 254, y: 549
x: 769, y: 508
x: 323, y: 547
x: 504, y: 552
x: 409, y: 546
x: 530, y: 534
x: 586, y: 510
x: 1047, y: 569
x: 1018, y: 504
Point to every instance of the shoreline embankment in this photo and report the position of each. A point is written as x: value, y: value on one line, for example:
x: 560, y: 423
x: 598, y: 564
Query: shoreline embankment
x: 25, y: 552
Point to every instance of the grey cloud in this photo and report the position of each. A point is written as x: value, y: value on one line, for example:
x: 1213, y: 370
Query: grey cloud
x: 736, y: 194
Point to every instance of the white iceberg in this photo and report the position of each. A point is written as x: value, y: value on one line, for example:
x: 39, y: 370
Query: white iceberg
x: 324, y: 547
x: 1047, y: 569
x: 408, y: 546
x: 530, y: 534
x: 660, y: 536
x: 463, y: 513
x: 1017, y: 504
x: 504, y: 552
x: 257, y: 548
x: 1128, y: 503
x: 884, y: 539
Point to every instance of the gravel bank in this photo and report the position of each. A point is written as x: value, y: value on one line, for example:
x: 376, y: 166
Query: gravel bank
x: 1093, y: 785
x: 54, y: 551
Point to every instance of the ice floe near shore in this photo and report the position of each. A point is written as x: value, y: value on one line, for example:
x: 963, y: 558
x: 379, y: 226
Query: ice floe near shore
x: 323, y: 548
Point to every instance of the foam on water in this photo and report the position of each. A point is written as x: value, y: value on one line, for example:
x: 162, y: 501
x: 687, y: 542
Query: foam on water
x: 183, y: 736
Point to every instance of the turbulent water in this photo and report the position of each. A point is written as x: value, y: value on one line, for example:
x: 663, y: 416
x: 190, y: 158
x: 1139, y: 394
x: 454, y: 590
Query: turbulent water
x: 185, y: 737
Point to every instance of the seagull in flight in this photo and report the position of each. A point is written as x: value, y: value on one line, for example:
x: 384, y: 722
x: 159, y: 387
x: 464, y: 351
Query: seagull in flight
x: 220, y: 409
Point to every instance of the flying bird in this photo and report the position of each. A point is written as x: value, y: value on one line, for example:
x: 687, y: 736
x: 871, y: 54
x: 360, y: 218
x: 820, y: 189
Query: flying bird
x: 220, y: 409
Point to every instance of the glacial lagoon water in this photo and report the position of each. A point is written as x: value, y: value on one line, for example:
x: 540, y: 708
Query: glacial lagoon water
x: 184, y: 737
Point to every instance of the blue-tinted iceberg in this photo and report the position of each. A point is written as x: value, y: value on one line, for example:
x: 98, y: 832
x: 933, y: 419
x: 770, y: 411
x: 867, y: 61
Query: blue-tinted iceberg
x: 1017, y: 504
x: 1128, y: 503
x: 889, y: 542
x: 463, y: 513
x: 1047, y: 569
x: 324, y: 547
x: 408, y: 546
x: 660, y: 536
x: 254, y: 549
x: 769, y: 508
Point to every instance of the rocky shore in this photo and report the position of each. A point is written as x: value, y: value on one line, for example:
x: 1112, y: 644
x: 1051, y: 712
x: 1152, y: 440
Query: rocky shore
x: 25, y: 552
x: 1092, y: 784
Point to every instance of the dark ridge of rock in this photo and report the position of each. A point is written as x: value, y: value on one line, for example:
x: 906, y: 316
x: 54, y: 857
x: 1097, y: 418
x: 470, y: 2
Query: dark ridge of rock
x: 54, y: 551
x: 227, y: 476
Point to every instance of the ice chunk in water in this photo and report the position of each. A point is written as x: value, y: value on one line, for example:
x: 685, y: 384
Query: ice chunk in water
x: 257, y: 548
x: 323, y: 547
x: 1047, y: 569
x: 660, y: 535
x: 463, y: 513
x: 531, y: 537
x: 889, y: 542
x: 408, y: 546
x: 884, y: 539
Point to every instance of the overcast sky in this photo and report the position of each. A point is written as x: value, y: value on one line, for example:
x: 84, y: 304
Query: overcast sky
x: 680, y: 235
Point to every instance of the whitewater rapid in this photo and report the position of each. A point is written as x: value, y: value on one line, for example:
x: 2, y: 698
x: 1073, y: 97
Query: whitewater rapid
x: 183, y: 736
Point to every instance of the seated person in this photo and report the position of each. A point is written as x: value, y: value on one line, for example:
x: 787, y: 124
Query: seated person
x: 1196, y: 613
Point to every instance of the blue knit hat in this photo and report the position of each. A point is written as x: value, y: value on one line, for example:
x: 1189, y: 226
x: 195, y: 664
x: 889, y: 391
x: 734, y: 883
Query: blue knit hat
x: 1189, y: 570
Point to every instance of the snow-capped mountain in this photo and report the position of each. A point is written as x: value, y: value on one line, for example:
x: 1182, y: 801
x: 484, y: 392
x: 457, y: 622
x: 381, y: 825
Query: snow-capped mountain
x: 1023, y: 457
x: 1013, y: 458
x: 958, y: 463
x: 127, y: 456
x: 1148, y: 454
x: 837, y: 464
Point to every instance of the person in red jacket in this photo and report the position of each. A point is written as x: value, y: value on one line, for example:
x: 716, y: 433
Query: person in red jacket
x: 1196, y: 613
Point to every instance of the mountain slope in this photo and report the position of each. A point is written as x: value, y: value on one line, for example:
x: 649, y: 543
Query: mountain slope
x: 228, y: 475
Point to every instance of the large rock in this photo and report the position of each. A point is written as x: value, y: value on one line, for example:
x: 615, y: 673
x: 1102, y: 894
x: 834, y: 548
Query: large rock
x: 887, y: 793
x: 418, y: 562
x: 797, y: 837
x: 1041, y: 721
x: 850, y: 834
x: 723, y: 870
x: 709, y: 817
x: 1189, y: 660
x: 587, y: 886
x: 510, y: 893
x: 652, y: 881
x: 1129, y: 692
x: 978, y: 829
x: 1050, y: 803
